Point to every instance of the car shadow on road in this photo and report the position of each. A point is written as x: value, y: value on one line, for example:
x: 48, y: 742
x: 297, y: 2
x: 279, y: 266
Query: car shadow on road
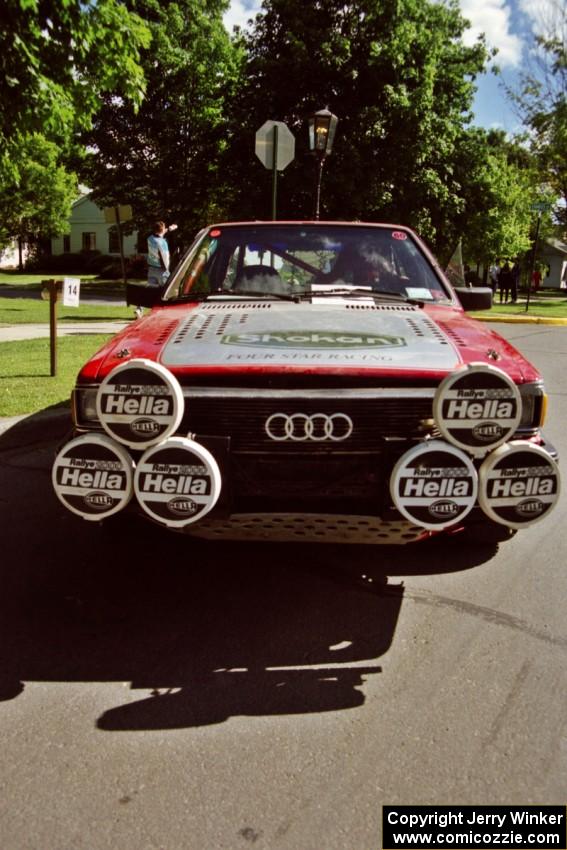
x: 204, y: 631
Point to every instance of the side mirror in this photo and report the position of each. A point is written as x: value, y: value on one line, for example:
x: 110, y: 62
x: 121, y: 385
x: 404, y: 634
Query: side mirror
x: 474, y: 298
x: 140, y: 295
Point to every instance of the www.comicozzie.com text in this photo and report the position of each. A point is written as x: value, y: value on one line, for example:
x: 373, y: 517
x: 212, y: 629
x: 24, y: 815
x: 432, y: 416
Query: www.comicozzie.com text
x: 511, y: 828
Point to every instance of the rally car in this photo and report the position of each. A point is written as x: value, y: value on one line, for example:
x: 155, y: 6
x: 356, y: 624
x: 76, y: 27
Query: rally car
x: 310, y: 381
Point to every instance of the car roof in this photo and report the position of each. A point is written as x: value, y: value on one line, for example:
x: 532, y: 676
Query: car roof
x: 305, y: 222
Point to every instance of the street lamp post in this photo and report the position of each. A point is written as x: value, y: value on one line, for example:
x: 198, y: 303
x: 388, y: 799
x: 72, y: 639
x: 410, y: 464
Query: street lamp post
x: 322, y: 128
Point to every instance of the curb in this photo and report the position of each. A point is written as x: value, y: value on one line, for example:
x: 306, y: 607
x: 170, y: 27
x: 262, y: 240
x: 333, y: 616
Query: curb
x: 521, y: 320
x: 40, y: 330
x: 31, y: 429
x: 7, y: 422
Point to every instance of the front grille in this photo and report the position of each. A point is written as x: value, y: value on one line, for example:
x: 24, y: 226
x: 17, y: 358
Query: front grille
x: 375, y: 418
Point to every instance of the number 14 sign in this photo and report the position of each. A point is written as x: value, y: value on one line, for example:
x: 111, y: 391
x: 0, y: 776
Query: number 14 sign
x: 71, y: 291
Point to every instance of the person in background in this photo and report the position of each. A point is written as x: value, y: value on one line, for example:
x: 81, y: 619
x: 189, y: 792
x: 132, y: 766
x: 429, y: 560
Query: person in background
x: 536, y: 279
x: 493, y: 273
x: 515, y: 281
x: 505, y: 282
x: 158, y: 254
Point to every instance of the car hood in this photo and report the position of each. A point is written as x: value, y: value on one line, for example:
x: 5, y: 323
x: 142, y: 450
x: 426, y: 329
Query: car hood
x: 346, y: 336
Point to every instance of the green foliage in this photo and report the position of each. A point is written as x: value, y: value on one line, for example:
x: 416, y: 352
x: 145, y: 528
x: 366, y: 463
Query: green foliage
x: 163, y: 159
x: 550, y: 146
x: 57, y: 58
x: 399, y: 78
x: 498, y: 180
x: 166, y: 106
x: 542, y: 103
x: 35, y: 198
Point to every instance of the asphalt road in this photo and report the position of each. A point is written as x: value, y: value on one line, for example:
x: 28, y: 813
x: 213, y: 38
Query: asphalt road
x: 166, y: 695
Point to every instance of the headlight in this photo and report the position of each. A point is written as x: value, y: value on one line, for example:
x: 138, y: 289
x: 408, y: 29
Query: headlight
x: 534, y: 406
x: 84, y: 406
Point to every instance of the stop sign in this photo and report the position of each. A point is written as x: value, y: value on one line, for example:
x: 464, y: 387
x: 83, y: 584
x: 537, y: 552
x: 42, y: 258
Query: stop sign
x: 265, y: 145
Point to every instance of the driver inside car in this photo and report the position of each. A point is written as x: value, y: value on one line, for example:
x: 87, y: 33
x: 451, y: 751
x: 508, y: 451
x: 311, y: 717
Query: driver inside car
x: 369, y: 269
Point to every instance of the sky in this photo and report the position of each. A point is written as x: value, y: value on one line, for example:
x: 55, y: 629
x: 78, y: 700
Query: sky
x: 509, y: 25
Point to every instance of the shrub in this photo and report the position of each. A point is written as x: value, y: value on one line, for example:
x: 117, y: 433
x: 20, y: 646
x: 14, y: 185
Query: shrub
x: 137, y: 267
x: 104, y: 266
x: 63, y: 263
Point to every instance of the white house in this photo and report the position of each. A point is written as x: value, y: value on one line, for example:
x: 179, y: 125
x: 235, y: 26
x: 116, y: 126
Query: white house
x: 91, y: 232
x: 10, y: 256
x: 554, y: 253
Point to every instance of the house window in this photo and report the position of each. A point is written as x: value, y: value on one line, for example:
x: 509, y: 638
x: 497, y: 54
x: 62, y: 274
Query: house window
x: 67, y: 244
x: 89, y: 241
x: 113, y: 241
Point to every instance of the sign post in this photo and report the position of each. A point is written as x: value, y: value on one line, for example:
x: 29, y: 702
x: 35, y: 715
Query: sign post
x: 275, y: 148
x: 52, y: 327
x: 69, y: 287
x: 117, y: 215
x: 275, y: 171
x: 539, y: 207
x: 51, y: 292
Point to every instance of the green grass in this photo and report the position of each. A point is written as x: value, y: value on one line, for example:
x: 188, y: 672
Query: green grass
x: 25, y: 311
x: 23, y: 278
x: 25, y: 382
x: 544, y: 307
x: 33, y: 282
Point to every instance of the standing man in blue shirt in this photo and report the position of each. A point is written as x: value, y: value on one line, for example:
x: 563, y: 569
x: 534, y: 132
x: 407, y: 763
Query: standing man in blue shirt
x: 158, y: 254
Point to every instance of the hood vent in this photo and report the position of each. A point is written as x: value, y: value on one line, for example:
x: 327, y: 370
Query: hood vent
x: 237, y: 305
x: 164, y: 335
x: 416, y: 327
x: 212, y: 325
x: 387, y: 308
x: 433, y: 330
x: 457, y: 338
x: 184, y: 329
x: 199, y: 326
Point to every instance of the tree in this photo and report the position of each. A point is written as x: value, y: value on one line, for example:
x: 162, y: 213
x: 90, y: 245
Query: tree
x: 499, y: 182
x: 164, y: 158
x: 542, y: 103
x: 399, y: 78
x: 58, y: 56
x: 37, y: 203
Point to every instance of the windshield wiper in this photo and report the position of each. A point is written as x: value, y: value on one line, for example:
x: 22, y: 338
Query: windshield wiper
x: 247, y: 293
x: 253, y: 293
x: 297, y: 298
x: 180, y: 299
x: 374, y: 294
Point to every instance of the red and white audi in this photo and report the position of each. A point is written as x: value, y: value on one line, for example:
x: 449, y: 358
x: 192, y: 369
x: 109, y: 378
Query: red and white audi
x: 310, y: 381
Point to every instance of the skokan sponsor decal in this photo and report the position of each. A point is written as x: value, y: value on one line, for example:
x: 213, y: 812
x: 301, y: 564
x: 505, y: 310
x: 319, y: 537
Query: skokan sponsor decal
x: 93, y: 476
x: 519, y: 484
x: 434, y: 485
x: 477, y: 408
x: 313, y: 339
x: 177, y: 482
x: 140, y: 403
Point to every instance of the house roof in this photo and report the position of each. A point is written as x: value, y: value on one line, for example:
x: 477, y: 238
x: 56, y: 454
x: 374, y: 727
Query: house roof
x: 81, y: 200
x: 556, y: 245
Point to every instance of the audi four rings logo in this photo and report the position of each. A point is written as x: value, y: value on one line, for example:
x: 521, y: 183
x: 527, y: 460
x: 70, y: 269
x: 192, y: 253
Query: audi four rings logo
x: 317, y: 427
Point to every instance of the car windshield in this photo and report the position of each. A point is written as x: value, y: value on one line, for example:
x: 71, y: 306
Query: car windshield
x: 304, y: 261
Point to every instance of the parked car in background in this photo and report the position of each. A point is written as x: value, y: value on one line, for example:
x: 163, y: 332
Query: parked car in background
x: 310, y: 381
